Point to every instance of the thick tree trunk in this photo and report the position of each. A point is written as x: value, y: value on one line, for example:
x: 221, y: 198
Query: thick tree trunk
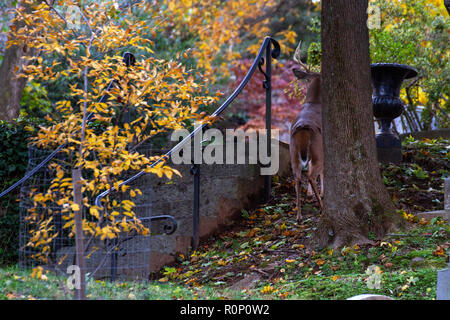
x: 11, y: 86
x: 356, y: 203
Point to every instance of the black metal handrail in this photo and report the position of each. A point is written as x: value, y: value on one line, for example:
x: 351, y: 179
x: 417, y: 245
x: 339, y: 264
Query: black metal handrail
x: 257, y: 63
x: 127, y: 58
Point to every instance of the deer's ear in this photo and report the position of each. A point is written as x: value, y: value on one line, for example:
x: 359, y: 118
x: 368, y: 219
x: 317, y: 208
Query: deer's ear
x: 300, y: 74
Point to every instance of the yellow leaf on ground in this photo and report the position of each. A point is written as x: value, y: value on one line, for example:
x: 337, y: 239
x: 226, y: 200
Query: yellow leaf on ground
x: 439, y: 251
x: 320, y: 262
x: 334, y: 278
x: 290, y: 260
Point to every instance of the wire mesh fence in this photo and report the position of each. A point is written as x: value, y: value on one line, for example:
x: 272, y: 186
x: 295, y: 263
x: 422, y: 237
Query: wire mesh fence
x: 126, y: 257
x: 38, y: 183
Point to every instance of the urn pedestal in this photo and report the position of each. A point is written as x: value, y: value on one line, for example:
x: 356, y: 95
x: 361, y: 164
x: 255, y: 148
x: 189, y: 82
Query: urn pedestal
x: 387, y: 79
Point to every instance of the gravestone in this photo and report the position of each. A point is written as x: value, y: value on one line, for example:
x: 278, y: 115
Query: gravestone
x: 443, y: 279
x: 445, y: 214
x: 443, y: 285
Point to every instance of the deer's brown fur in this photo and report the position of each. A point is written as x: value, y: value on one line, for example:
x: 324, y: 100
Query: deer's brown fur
x: 306, y: 146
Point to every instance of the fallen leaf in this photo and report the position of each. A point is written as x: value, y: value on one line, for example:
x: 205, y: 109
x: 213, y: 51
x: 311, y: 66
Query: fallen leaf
x: 267, y: 289
x: 439, y: 251
x: 290, y: 260
x: 320, y: 262
x: 334, y: 278
x: 334, y: 268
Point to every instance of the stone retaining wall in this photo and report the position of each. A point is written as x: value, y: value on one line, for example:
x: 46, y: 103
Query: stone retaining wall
x: 225, y: 189
x: 431, y: 134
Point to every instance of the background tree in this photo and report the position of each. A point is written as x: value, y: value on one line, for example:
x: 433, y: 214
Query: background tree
x: 412, y: 32
x: 415, y: 32
x: 11, y: 85
x: 357, y: 206
x: 211, y: 35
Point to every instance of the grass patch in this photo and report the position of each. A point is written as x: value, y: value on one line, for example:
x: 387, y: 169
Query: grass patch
x: 266, y: 255
x: 18, y: 284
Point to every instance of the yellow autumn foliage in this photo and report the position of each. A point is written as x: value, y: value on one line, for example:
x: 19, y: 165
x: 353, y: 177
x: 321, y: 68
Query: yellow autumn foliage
x: 159, y: 95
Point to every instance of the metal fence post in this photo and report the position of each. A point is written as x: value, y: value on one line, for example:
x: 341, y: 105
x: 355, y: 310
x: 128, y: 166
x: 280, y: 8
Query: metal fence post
x: 114, y: 258
x: 268, y: 86
x: 195, y: 171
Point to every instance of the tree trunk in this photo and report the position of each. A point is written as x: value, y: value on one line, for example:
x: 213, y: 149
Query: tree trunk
x: 357, y: 206
x: 11, y: 87
x: 80, y: 293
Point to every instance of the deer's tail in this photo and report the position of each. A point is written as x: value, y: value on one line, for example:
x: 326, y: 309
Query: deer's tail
x: 303, y: 140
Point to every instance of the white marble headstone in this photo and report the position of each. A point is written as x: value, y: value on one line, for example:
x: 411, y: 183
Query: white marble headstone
x: 443, y: 285
x: 443, y: 279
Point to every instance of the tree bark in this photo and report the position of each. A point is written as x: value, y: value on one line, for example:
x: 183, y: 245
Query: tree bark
x: 357, y: 206
x: 11, y: 86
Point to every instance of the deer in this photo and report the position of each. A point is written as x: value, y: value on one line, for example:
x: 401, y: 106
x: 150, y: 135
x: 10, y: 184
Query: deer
x: 306, y: 146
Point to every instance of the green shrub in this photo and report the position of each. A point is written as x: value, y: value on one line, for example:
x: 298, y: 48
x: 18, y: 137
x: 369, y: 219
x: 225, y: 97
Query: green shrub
x: 13, y: 164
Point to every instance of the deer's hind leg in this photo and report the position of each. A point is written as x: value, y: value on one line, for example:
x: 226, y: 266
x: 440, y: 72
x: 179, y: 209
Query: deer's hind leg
x: 316, y: 167
x: 297, y: 171
x: 298, y: 190
x: 313, y: 183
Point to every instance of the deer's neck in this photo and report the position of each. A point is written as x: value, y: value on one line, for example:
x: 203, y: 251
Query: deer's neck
x: 313, y: 94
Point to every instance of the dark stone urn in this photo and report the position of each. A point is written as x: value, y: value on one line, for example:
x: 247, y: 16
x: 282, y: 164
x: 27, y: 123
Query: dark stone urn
x: 387, y: 79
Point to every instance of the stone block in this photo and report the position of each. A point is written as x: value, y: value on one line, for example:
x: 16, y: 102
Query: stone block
x: 160, y: 259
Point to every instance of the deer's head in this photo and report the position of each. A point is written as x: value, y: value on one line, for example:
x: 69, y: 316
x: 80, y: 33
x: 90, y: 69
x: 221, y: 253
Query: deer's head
x: 313, y: 91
